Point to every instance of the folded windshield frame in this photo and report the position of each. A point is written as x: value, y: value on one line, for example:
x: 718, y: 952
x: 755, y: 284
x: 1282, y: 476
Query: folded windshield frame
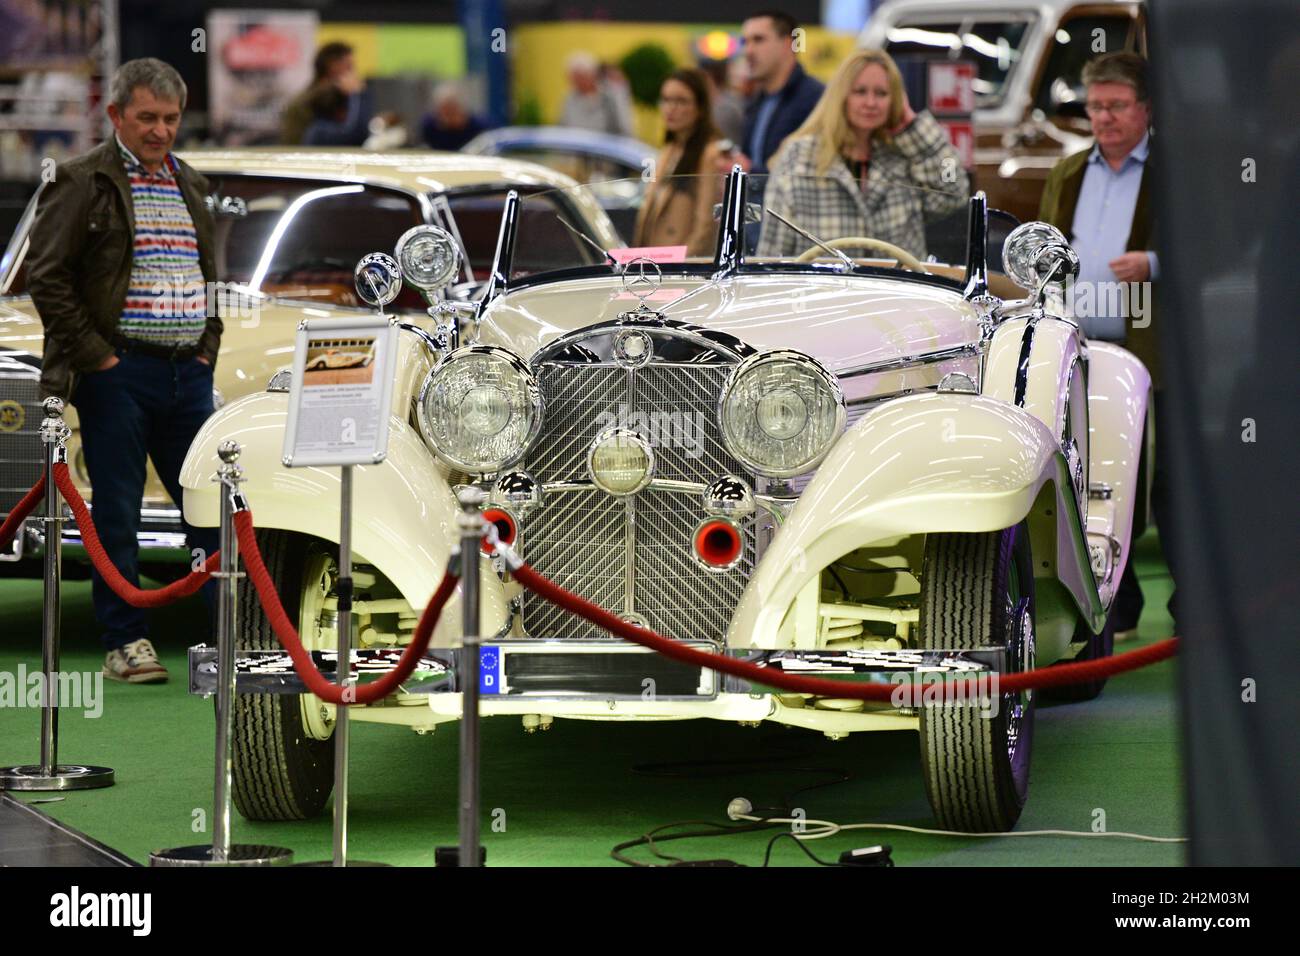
x: 729, y: 255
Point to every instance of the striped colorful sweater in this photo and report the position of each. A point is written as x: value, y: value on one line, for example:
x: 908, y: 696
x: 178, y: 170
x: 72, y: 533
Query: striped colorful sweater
x: 166, y: 302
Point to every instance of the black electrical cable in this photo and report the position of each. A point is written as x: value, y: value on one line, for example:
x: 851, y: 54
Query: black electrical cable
x: 704, y: 769
x: 797, y: 842
x: 648, y: 839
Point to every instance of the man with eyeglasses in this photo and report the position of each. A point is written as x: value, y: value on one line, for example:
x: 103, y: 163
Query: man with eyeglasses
x: 1101, y: 199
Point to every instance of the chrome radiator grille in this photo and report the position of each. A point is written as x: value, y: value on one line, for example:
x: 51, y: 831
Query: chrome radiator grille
x: 20, y: 436
x: 580, y: 539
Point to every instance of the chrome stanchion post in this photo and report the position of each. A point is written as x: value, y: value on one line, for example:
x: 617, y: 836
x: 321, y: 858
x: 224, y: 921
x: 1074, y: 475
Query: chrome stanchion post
x: 221, y: 852
x: 341, y: 715
x: 49, y: 774
x: 344, y: 670
x: 471, y: 525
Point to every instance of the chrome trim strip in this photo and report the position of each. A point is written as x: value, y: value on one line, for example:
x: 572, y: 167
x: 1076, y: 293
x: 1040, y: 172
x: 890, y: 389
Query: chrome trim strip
x: 1022, y: 366
x: 927, y: 358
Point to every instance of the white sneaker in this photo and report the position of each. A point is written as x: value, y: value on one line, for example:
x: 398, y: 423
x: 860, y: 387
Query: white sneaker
x: 135, y: 663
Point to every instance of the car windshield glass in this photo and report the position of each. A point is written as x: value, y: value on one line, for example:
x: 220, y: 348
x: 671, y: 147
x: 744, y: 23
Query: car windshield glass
x: 870, y: 218
x: 994, y: 46
x: 301, y: 239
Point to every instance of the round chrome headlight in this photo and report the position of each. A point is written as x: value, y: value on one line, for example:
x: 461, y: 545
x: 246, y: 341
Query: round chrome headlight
x: 781, y: 412
x: 480, y: 408
x: 429, y: 257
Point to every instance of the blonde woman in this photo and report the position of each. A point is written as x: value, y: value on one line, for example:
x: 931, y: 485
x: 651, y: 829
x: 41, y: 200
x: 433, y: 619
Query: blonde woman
x: 863, y: 164
x: 678, y: 205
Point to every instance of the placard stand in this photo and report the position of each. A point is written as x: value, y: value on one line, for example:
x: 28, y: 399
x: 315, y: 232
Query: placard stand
x: 349, y: 403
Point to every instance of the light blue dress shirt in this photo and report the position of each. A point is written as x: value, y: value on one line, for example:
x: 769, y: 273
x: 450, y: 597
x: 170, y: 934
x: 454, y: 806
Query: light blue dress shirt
x: 766, y: 110
x: 1103, y: 219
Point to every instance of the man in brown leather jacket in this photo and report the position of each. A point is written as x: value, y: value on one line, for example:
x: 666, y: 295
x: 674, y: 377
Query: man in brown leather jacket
x: 120, y: 264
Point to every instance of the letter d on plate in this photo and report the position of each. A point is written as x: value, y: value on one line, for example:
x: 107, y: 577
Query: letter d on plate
x: 489, y: 670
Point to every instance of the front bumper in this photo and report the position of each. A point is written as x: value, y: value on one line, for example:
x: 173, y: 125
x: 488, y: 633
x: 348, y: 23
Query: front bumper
x: 608, y: 680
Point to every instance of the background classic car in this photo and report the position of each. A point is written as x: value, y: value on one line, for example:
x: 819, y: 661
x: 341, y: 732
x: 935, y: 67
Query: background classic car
x: 615, y: 166
x: 290, y: 227
x: 891, y: 466
x: 1029, y: 57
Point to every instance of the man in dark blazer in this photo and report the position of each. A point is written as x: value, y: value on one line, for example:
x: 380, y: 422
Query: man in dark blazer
x: 785, y: 94
x: 120, y: 264
x: 1100, y: 199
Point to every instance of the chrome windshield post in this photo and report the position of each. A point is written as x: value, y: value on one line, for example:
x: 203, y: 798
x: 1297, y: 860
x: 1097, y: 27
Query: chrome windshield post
x: 977, y: 264
x: 731, y: 229
x: 499, y: 278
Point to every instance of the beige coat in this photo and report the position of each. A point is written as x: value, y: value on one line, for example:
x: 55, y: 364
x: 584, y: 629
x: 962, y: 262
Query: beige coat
x: 673, y: 217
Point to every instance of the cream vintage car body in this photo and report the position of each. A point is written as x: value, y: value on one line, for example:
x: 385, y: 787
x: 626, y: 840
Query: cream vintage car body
x: 968, y: 506
x: 278, y: 264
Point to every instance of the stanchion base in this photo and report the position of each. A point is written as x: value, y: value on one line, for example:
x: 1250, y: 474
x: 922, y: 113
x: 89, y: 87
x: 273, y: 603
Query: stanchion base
x: 241, y: 854
x: 65, y: 777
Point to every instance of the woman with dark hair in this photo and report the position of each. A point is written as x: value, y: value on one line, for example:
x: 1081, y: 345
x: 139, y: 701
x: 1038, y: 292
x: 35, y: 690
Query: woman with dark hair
x: 678, y: 206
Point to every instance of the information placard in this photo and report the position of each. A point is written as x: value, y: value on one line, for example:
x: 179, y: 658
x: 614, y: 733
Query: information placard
x: 342, y: 389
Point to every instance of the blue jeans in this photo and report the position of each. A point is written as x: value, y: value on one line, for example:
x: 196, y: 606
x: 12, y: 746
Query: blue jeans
x: 142, y: 407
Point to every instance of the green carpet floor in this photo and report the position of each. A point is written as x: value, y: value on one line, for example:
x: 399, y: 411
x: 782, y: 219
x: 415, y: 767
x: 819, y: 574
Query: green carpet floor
x: 566, y: 797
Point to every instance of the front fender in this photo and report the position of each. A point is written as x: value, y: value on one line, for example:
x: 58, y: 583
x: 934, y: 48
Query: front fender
x: 925, y: 463
x: 404, y: 513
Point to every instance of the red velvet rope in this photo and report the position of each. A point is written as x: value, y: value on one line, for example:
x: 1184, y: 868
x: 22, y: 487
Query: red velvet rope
x: 288, y: 634
x: 124, y: 589
x: 21, y: 512
x: 316, y: 682
x: 823, y: 687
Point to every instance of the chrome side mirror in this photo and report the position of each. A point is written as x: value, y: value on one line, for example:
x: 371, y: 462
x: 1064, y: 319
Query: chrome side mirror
x: 1036, y: 255
x: 378, y: 279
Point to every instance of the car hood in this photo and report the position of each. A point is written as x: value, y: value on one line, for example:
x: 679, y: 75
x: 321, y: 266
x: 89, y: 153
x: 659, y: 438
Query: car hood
x: 847, y: 322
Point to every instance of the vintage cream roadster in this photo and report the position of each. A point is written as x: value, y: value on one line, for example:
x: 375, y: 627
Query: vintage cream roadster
x: 855, y: 467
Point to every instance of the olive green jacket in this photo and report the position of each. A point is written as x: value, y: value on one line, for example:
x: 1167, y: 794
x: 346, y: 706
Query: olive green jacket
x: 1061, y: 196
x: 80, y: 258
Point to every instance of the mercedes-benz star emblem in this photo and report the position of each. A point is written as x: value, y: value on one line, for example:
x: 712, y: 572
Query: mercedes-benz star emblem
x: 642, y: 277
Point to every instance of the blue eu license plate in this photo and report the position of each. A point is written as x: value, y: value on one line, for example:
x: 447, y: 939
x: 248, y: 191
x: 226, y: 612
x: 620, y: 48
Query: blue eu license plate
x: 489, y: 670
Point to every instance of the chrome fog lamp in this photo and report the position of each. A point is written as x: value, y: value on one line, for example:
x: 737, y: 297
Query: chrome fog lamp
x: 1034, y: 251
x: 480, y: 408
x: 429, y: 258
x: 620, y: 462
x: 781, y: 412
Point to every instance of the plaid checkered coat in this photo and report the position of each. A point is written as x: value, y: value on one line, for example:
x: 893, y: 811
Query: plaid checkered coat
x: 834, y: 205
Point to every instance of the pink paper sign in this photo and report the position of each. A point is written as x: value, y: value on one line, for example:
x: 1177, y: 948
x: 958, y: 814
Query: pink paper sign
x: 653, y: 253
